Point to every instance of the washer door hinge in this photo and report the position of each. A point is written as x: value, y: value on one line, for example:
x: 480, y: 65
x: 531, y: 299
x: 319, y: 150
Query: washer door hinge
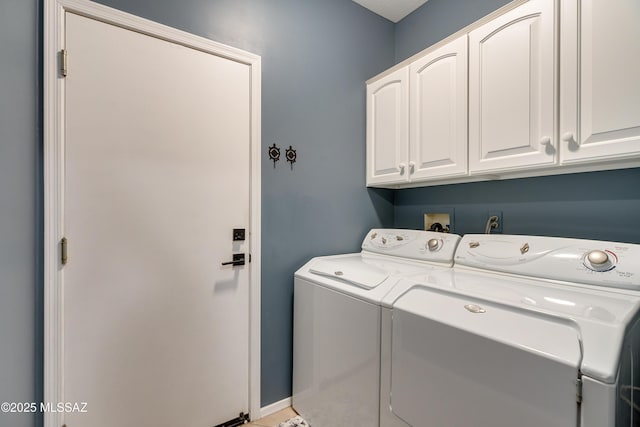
x: 579, y: 390
x: 62, y: 62
x: 63, y: 251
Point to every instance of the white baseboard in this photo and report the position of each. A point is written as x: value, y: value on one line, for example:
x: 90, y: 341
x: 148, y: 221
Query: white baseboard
x: 275, y: 407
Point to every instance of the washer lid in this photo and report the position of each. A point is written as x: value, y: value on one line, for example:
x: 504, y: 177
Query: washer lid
x: 351, y: 270
x: 461, y: 361
x: 602, y: 316
x: 544, y: 335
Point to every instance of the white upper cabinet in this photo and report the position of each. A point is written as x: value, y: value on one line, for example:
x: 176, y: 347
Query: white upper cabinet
x: 539, y: 87
x: 511, y: 91
x: 600, y: 80
x: 388, y: 129
x: 438, y: 113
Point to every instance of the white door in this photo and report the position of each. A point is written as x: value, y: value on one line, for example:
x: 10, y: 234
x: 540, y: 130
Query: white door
x: 157, y: 175
x: 388, y: 129
x: 438, y: 113
x: 511, y: 90
x: 600, y: 108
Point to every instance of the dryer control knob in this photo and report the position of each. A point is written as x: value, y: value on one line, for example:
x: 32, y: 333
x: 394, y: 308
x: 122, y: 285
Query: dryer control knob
x: 598, y: 260
x: 434, y: 245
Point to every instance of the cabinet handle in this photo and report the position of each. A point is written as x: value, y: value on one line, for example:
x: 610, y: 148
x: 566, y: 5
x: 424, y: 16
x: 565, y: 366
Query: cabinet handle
x: 545, y: 141
x: 402, y: 167
x: 569, y: 137
x: 412, y: 167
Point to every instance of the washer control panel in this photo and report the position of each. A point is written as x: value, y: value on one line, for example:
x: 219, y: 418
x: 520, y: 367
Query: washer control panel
x: 412, y: 244
x: 591, y: 262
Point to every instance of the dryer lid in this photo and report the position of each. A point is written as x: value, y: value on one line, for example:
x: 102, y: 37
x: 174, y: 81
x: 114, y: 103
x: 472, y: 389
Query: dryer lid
x: 351, y: 270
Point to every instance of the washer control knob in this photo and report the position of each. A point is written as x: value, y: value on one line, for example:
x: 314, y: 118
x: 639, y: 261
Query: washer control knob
x: 434, y: 245
x: 598, y: 260
x: 598, y: 257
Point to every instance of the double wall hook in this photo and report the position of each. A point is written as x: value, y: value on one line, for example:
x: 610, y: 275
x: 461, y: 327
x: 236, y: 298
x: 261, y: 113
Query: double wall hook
x: 290, y: 154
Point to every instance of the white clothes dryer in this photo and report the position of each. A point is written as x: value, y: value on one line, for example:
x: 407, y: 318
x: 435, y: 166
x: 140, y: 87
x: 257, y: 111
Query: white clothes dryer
x: 337, y: 319
x: 524, y: 331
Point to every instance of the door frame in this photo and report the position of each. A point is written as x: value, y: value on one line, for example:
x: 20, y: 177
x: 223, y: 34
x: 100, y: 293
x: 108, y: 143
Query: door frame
x: 53, y: 146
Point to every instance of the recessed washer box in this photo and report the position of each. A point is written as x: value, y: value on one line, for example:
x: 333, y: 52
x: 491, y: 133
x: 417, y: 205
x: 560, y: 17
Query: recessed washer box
x: 439, y: 220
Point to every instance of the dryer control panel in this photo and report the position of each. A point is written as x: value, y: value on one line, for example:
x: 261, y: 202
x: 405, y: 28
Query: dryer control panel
x: 590, y: 262
x: 412, y: 244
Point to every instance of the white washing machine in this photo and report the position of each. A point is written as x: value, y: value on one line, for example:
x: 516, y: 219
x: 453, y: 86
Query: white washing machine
x: 336, y: 328
x: 523, y: 331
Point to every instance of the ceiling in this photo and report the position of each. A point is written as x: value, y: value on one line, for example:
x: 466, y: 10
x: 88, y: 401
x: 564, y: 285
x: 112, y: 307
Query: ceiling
x: 393, y: 10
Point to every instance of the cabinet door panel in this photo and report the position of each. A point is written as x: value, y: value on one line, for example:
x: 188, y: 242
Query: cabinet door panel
x: 600, y: 104
x: 387, y: 129
x: 511, y: 90
x: 438, y: 113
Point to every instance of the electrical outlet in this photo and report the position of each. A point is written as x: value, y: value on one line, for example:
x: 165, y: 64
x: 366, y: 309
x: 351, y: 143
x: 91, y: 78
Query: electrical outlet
x: 497, y: 229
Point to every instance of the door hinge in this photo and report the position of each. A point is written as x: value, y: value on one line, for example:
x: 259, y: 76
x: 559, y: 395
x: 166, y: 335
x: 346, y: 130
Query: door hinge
x: 63, y: 251
x: 62, y: 62
x: 579, y: 390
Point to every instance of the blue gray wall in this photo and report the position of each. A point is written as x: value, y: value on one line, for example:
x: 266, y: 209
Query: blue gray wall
x: 316, y: 56
x: 436, y: 20
x: 20, y: 289
x: 598, y: 205
x: 595, y: 205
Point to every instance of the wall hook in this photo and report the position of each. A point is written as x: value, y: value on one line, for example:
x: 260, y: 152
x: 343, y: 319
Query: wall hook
x: 291, y: 155
x: 274, y: 154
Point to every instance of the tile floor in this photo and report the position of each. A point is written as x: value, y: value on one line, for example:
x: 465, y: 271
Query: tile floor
x: 274, y: 419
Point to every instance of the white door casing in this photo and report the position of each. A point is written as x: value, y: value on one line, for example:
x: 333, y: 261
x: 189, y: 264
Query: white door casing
x: 63, y: 165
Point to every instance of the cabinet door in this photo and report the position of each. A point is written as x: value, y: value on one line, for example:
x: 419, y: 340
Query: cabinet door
x: 600, y: 80
x: 388, y: 129
x: 511, y: 90
x: 438, y: 113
